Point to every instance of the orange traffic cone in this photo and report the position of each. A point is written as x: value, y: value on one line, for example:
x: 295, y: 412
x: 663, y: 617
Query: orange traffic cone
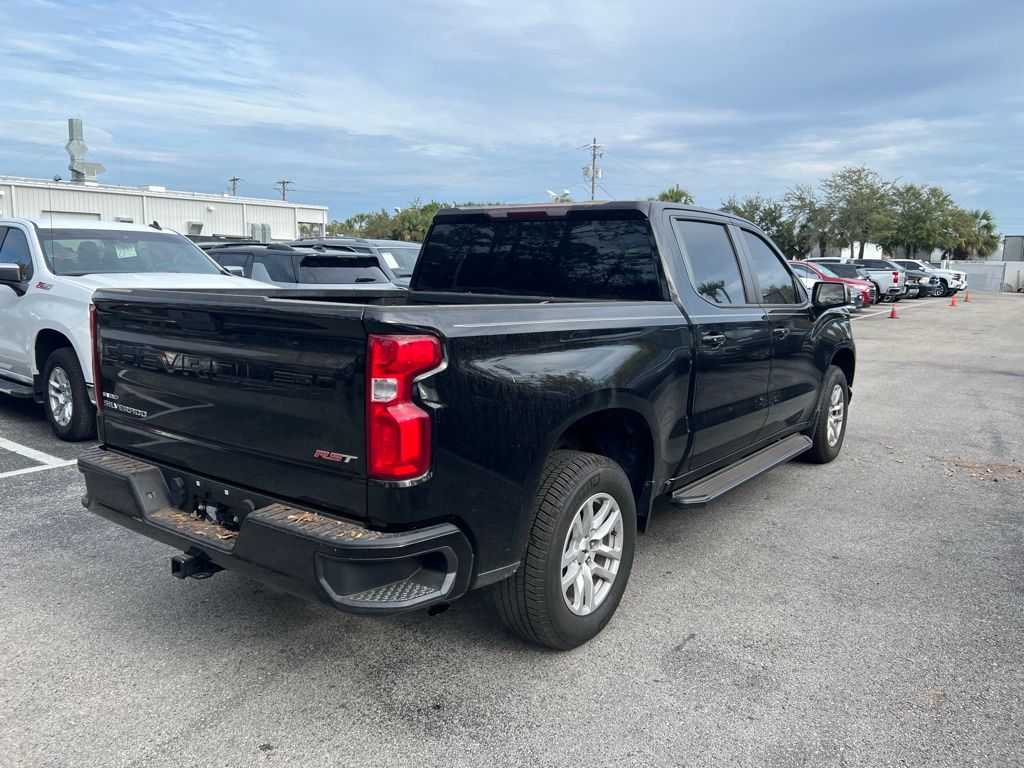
x: 967, y: 296
x: 952, y: 302
x: 893, y: 314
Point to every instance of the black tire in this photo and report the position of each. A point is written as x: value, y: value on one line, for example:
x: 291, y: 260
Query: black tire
x: 939, y: 290
x: 820, y: 451
x: 82, y: 423
x: 945, y: 288
x: 531, y: 602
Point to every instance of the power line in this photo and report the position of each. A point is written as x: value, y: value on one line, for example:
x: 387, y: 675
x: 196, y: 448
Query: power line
x: 283, y: 184
x: 21, y: 151
x: 47, y: 153
x: 645, y: 170
x: 233, y: 181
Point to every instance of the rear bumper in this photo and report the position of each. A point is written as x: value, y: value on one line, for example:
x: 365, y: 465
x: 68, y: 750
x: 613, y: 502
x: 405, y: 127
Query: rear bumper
x: 312, y: 555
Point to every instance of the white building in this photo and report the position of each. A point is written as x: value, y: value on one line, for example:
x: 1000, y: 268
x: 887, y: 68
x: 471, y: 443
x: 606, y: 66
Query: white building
x: 189, y: 213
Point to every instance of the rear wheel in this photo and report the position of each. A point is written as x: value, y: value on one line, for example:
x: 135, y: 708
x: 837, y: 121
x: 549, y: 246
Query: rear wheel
x: 829, y: 429
x: 579, y: 555
x: 66, y: 398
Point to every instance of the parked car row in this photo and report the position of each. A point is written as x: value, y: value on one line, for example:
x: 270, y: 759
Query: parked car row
x: 878, y: 280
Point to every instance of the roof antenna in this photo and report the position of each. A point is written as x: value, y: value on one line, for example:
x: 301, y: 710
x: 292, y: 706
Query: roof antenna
x: 155, y: 225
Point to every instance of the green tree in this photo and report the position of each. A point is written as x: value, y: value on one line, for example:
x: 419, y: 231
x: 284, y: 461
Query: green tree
x: 973, y: 233
x: 410, y: 223
x: 771, y: 216
x: 812, y: 217
x: 920, y: 220
x: 858, y: 199
x: 674, y: 194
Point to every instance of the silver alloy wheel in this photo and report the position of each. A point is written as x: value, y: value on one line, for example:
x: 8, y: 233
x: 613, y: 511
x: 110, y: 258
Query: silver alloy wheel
x: 591, y: 554
x: 836, y: 414
x: 60, y: 396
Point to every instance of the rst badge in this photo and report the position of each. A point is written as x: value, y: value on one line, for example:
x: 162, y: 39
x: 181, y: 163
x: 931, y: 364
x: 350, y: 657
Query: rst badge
x: 331, y: 456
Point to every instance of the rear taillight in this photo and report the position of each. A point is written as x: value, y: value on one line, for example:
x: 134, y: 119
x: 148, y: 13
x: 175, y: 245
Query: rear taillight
x: 896, y: 277
x: 397, y: 430
x: 95, y: 338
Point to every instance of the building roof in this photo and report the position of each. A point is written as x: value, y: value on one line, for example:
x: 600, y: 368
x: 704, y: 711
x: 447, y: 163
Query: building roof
x: 154, y: 191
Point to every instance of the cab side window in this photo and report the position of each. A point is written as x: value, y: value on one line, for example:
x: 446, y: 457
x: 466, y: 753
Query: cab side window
x: 777, y: 285
x: 243, y: 260
x: 714, y: 267
x: 14, y: 250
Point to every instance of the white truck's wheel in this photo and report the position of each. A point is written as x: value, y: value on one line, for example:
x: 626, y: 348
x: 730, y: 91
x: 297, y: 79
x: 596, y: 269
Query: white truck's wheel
x: 66, y: 397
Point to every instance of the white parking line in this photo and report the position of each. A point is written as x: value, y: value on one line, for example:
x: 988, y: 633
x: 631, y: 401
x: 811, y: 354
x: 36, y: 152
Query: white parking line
x: 40, y: 468
x: 46, y: 460
x: 900, y: 309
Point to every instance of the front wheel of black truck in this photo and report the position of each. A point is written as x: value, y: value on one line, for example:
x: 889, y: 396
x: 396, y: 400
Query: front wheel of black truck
x: 579, y: 555
x: 829, y: 428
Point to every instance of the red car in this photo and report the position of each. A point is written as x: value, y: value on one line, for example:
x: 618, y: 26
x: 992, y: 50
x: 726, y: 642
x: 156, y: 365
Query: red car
x: 824, y: 273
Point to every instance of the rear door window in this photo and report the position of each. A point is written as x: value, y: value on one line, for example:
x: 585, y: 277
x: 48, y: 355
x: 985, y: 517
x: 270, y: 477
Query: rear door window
x: 582, y: 256
x: 775, y: 281
x: 714, y: 266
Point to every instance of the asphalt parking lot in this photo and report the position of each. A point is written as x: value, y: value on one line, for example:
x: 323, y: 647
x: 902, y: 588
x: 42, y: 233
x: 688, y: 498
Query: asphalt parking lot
x: 868, y: 612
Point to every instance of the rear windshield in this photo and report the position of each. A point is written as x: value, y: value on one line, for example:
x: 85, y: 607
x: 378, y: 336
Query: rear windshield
x: 584, y: 256
x: 340, y: 270
x: 401, y: 259
x: 842, y: 270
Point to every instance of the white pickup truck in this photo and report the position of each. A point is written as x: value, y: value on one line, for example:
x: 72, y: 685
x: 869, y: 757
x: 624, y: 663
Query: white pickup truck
x: 949, y: 281
x: 48, y: 273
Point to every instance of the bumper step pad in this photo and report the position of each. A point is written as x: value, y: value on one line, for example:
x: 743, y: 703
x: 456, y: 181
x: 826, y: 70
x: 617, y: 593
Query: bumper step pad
x: 308, y: 553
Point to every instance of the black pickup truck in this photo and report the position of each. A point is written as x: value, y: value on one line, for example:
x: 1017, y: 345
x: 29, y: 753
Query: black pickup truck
x: 508, y: 421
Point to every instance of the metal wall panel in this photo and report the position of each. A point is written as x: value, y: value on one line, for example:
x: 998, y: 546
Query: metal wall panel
x: 1013, y: 248
x: 217, y: 215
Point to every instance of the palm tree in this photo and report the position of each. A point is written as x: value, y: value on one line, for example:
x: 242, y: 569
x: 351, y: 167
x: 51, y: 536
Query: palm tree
x: 988, y: 234
x: 974, y: 233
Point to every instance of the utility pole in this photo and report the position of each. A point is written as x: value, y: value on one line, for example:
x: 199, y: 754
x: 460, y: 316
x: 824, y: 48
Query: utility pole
x: 593, y: 171
x: 282, y: 184
x: 234, y: 185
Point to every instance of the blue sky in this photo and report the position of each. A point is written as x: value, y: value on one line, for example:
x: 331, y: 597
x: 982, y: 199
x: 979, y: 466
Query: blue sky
x: 369, y: 104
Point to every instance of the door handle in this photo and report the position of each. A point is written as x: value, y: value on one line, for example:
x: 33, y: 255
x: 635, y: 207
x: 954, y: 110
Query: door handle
x: 780, y: 333
x: 713, y: 340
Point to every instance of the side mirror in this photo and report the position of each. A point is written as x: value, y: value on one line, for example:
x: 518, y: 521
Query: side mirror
x: 10, y: 273
x: 826, y: 295
x: 236, y: 271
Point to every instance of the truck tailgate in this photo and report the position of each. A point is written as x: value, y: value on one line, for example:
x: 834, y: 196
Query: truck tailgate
x: 262, y: 393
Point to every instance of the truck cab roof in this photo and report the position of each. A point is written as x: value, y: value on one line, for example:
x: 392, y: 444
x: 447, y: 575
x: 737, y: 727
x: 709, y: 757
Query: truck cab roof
x: 69, y: 222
